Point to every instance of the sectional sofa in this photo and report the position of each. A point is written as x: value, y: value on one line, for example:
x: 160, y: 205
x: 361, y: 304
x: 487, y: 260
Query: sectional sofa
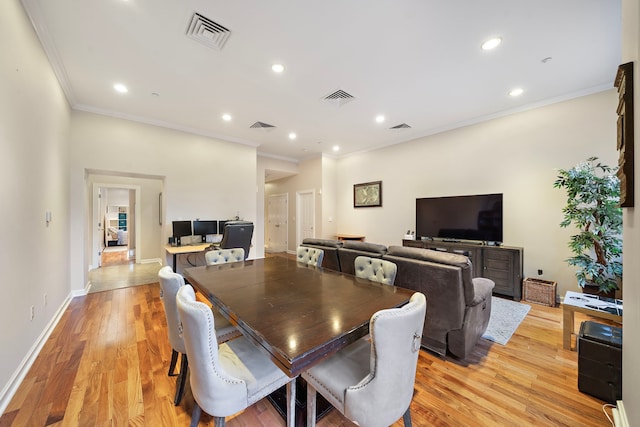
x: 458, y: 305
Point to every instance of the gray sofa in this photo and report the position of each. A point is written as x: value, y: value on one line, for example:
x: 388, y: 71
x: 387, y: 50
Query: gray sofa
x: 458, y: 306
x: 351, y: 249
x: 330, y: 248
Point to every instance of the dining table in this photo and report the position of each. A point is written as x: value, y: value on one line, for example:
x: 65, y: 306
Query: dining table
x: 296, y: 313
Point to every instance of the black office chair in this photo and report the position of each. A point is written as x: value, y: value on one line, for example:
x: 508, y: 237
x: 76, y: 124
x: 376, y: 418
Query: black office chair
x: 237, y: 234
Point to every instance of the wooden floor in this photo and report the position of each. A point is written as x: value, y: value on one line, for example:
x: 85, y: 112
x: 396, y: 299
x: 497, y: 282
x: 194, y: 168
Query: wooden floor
x: 106, y: 364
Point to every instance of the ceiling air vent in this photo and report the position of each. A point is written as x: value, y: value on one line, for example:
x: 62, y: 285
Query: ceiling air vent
x: 401, y: 126
x: 207, y: 32
x: 261, y: 125
x: 339, y: 98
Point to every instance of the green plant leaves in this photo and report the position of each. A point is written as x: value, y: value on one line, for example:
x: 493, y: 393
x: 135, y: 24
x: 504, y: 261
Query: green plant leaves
x: 593, y: 206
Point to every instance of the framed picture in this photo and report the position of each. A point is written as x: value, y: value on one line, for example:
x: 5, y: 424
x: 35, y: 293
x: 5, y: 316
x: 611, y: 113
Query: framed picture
x: 367, y: 195
x: 624, y: 143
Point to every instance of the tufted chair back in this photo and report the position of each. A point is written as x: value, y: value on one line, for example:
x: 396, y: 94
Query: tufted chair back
x: 170, y: 282
x: 372, y: 383
x: 310, y: 256
x: 229, y: 377
x: 375, y: 269
x: 223, y: 256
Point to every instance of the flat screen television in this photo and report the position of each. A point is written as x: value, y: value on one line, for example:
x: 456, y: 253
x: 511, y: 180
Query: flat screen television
x: 477, y: 218
x: 181, y: 229
x: 205, y: 228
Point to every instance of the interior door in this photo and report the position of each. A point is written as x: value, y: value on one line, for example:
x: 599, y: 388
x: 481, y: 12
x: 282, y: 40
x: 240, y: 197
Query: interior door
x: 306, y: 215
x: 277, y: 212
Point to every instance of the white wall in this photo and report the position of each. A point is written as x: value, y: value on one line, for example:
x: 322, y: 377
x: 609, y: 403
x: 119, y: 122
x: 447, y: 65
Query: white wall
x: 203, y: 177
x: 631, y: 231
x: 517, y: 155
x: 308, y: 178
x: 34, y: 127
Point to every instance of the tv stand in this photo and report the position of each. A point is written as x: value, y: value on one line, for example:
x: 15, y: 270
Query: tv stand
x: 502, y: 264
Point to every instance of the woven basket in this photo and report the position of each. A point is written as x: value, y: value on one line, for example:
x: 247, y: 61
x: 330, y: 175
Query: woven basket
x: 540, y: 291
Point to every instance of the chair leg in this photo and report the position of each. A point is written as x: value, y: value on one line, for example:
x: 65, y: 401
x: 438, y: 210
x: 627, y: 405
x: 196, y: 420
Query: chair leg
x: 182, y: 378
x: 311, y: 406
x: 291, y: 403
x: 172, y: 365
x: 219, y: 421
x: 406, y: 418
x: 195, y: 415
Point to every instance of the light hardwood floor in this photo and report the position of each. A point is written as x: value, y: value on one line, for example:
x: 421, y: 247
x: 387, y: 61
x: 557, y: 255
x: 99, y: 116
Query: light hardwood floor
x: 106, y: 364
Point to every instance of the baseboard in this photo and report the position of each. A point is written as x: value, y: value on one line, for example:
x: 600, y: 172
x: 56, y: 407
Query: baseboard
x: 620, y: 415
x: 9, y: 390
x: 151, y: 261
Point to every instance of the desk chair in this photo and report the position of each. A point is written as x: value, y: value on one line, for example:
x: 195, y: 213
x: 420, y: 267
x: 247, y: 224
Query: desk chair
x: 237, y: 234
x: 372, y: 383
x: 375, y: 269
x: 170, y: 282
x: 310, y: 256
x: 223, y: 256
x: 230, y: 377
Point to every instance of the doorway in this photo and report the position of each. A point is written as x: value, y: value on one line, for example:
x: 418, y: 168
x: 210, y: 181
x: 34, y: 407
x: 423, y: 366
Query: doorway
x: 305, y: 215
x: 277, y: 224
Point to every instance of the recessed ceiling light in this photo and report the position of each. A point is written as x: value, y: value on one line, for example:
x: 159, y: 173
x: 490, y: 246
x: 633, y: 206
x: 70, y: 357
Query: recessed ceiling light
x: 292, y: 135
x: 336, y: 148
x: 380, y: 118
x: 119, y: 87
x: 277, y: 68
x: 226, y: 117
x: 516, y: 92
x: 491, y: 43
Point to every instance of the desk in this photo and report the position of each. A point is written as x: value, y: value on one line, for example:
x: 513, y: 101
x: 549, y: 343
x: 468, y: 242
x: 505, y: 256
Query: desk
x: 357, y: 237
x: 585, y: 303
x: 298, y: 314
x: 186, y: 249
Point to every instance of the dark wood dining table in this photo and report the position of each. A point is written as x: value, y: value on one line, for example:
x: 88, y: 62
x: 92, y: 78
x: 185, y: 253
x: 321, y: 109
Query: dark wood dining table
x: 298, y: 314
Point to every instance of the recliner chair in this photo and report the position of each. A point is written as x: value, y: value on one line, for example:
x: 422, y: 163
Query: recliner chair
x: 237, y: 234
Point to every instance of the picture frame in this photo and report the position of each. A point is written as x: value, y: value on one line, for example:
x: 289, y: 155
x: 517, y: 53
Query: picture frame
x: 624, y: 143
x: 367, y: 194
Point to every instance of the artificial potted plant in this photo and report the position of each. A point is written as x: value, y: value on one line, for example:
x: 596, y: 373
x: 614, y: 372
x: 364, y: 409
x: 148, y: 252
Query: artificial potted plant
x: 593, y: 206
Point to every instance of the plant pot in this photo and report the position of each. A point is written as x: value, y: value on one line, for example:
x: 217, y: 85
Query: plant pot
x: 595, y: 290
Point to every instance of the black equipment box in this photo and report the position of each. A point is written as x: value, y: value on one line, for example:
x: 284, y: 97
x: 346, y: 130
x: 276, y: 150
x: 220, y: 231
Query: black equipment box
x: 600, y: 361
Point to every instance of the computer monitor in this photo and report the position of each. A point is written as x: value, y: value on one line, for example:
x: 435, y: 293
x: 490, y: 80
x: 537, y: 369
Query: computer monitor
x: 205, y: 228
x: 221, y: 224
x: 181, y: 229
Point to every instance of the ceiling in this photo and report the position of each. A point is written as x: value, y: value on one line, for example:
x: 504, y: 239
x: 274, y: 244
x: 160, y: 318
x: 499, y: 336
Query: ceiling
x: 417, y: 62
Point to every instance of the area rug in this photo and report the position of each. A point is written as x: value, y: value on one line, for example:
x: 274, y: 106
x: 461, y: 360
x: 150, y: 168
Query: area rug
x: 505, y: 318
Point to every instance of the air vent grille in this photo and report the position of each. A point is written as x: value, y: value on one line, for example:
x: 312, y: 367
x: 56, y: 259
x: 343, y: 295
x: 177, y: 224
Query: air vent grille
x: 339, y: 97
x: 207, y: 32
x: 401, y: 126
x: 261, y: 125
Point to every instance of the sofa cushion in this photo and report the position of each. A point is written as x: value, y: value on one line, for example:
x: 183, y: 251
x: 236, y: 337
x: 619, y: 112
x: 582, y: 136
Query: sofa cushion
x: 365, y: 247
x: 322, y: 242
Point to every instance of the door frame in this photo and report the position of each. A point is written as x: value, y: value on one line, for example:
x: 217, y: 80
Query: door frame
x: 299, y: 222
x: 268, y: 226
x: 97, y: 236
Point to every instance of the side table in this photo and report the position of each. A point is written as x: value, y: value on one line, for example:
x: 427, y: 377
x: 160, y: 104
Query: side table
x: 592, y: 305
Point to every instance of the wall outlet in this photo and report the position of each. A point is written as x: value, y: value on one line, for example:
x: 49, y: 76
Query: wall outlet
x: 539, y: 272
x: 32, y: 312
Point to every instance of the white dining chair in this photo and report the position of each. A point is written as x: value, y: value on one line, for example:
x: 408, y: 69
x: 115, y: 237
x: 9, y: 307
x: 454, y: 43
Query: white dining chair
x: 170, y: 282
x: 375, y: 269
x: 371, y: 383
x: 309, y: 256
x: 223, y: 256
x: 230, y: 377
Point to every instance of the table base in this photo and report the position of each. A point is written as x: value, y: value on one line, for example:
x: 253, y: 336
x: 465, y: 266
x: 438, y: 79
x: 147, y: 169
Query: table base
x: 279, y: 401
